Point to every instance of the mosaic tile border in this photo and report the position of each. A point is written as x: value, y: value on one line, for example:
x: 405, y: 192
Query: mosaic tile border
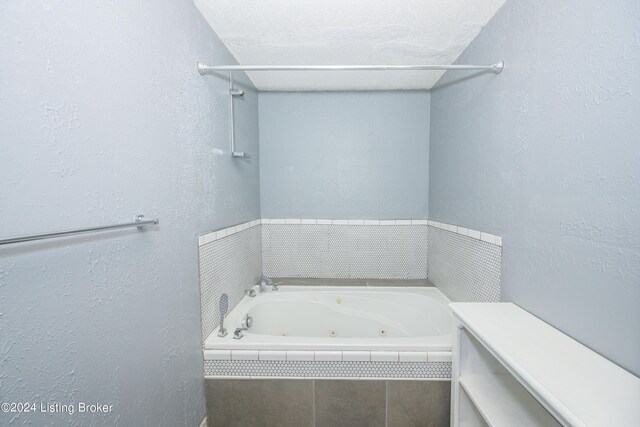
x: 463, y: 268
x: 227, y: 265
x: 474, y: 234
x: 345, y: 251
x: 323, y: 369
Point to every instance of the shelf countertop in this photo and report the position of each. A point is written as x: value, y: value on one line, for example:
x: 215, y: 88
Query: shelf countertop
x: 578, y: 384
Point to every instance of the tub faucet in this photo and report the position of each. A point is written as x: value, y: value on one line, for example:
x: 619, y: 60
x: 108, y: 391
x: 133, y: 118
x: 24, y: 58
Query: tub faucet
x: 237, y: 334
x: 264, y: 282
x: 267, y: 281
x: 247, y: 322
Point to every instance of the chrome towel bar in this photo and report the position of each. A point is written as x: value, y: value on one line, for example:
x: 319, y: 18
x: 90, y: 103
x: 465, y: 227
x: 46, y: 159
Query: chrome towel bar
x: 139, y: 222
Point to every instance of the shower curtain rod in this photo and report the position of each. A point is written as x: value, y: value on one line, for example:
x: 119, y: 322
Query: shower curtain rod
x: 211, y: 69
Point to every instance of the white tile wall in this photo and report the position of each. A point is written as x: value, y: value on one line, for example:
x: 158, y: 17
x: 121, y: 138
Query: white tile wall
x: 228, y: 265
x: 465, y: 267
x: 346, y: 249
x: 463, y: 263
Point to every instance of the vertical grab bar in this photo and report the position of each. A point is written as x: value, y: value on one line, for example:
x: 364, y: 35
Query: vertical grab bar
x: 233, y: 92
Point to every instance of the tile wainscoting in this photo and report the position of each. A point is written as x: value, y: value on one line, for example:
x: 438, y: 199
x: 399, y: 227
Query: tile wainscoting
x: 230, y: 262
x: 337, y: 387
x: 331, y: 364
x: 463, y: 263
x: 345, y: 249
x: 465, y: 268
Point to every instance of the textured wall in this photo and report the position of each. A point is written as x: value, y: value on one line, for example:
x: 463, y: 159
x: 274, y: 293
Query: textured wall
x: 358, y: 155
x: 104, y: 116
x: 547, y: 156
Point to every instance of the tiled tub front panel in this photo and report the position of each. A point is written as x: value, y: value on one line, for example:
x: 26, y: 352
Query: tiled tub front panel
x: 346, y: 251
x: 230, y: 264
x: 323, y: 402
x: 465, y: 268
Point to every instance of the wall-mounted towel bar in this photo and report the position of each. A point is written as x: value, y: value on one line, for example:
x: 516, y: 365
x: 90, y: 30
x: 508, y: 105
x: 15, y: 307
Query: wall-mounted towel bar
x: 139, y: 222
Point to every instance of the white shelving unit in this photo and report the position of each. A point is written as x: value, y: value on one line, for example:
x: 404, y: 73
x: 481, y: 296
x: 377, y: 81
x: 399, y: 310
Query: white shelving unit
x: 512, y: 369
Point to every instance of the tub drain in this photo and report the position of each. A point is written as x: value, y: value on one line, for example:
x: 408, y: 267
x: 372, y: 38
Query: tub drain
x: 333, y: 332
x: 383, y: 332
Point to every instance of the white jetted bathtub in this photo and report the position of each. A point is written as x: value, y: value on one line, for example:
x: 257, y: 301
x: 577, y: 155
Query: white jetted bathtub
x: 340, y: 318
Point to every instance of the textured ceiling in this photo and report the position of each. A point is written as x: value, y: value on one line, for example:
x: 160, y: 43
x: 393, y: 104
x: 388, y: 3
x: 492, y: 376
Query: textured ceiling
x: 331, y: 32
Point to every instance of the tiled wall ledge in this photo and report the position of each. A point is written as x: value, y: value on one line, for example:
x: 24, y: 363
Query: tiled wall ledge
x: 219, y: 234
x: 317, y: 221
x: 474, y: 234
x: 330, y: 356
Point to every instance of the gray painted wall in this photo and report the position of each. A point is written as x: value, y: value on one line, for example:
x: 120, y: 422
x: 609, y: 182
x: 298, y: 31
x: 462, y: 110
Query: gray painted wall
x: 355, y: 155
x: 547, y: 155
x: 105, y: 116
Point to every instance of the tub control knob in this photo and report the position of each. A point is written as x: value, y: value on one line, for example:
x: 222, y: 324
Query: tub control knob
x: 247, y: 322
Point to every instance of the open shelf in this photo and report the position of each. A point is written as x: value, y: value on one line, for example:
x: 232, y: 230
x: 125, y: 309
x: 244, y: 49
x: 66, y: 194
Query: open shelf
x: 502, y: 401
x: 512, y: 369
x: 469, y: 414
x: 495, y: 397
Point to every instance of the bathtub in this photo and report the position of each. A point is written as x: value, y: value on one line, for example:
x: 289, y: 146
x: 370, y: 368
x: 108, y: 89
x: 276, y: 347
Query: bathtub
x: 326, y: 318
